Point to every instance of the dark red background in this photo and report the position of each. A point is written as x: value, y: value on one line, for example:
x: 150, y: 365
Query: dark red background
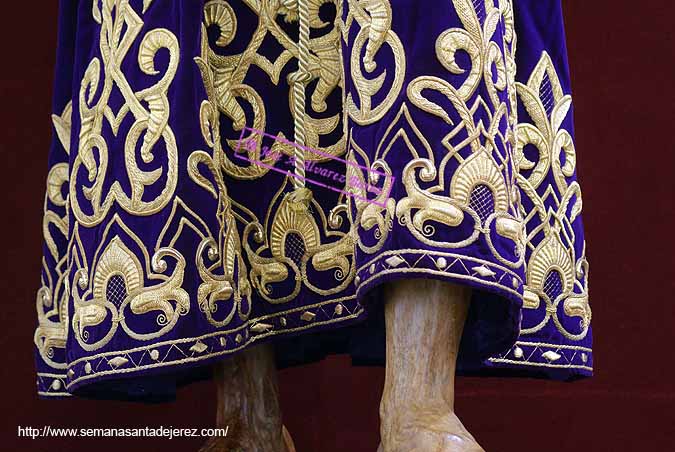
x: 621, y: 56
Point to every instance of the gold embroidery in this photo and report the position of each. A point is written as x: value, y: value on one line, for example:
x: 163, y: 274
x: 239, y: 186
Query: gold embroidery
x: 374, y: 19
x: 477, y: 42
x: 226, y: 252
x: 294, y: 241
x: 480, y: 186
x: 224, y: 80
x: 420, y: 261
x: 118, y: 284
x: 123, y: 282
x: 181, y: 346
x: 120, y: 27
x: 527, y: 353
x: 554, y: 274
x: 52, y: 297
x: 510, y: 42
x: 374, y: 215
x: 63, y: 125
x: 290, y: 235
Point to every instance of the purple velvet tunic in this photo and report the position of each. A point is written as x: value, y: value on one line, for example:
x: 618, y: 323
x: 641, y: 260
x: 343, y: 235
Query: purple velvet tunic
x: 228, y: 172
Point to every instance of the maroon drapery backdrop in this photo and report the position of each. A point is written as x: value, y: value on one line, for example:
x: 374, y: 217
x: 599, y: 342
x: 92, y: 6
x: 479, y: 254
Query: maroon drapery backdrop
x: 621, y: 57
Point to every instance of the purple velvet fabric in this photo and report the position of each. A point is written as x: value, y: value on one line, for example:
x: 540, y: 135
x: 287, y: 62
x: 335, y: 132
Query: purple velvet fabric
x: 166, y: 250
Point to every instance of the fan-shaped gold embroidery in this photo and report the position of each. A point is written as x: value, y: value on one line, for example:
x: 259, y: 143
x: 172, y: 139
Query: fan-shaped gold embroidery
x: 551, y: 254
x: 117, y: 260
x: 220, y: 13
x: 57, y: 177
x: 288, y: 220
x: 479, y: 168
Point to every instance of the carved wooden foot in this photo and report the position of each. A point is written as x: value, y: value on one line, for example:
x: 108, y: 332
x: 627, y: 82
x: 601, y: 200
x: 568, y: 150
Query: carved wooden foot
x: 248, y: 405
x: 424, y: 323
x: 431, y: 432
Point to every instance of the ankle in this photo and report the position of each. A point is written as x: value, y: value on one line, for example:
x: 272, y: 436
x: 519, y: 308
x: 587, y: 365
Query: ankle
x: 394, y: 410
